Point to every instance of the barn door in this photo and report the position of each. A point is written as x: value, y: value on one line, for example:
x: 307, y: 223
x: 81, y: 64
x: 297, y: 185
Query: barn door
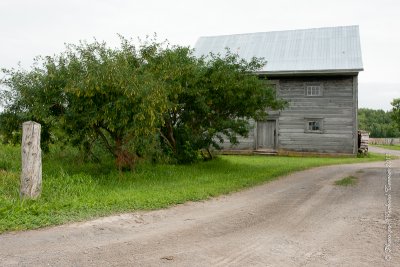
x: 266, y: 131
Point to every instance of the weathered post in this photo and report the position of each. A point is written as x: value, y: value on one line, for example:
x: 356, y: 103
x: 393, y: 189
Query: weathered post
x: 31, y: 176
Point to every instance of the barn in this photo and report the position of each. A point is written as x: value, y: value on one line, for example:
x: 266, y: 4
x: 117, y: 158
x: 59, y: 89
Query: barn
x: 316, y: 71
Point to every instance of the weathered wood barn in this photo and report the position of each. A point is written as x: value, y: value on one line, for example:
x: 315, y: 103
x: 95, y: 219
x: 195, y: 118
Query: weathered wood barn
x: 316, y: 71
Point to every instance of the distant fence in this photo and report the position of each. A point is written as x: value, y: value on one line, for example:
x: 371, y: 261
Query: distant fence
x: 384, y: 141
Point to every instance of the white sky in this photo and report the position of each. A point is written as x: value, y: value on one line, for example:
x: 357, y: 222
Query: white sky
x: 41, y: 27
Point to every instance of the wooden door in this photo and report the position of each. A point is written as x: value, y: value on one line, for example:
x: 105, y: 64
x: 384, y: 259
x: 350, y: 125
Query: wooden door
x: 266, y: 131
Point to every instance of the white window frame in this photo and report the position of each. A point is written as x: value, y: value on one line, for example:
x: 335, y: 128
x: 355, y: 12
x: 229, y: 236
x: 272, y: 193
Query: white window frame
x: 313, y: 90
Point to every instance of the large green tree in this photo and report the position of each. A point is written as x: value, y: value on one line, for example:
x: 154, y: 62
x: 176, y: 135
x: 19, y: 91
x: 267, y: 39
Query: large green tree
x: 130, y: 96
x: 210, y: 99
x: 396, y: 113
x: 378, y: 123
x: 90, y: 93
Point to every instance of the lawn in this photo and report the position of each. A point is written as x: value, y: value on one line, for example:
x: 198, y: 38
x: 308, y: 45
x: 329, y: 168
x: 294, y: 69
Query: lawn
x: 75, y: 191
x: 392, y: 147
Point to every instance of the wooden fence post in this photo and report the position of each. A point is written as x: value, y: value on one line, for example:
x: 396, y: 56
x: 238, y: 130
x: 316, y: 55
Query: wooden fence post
x: 31, y: 175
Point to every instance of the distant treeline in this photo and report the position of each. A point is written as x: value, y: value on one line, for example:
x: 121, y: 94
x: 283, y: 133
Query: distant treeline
x: 379, y: 123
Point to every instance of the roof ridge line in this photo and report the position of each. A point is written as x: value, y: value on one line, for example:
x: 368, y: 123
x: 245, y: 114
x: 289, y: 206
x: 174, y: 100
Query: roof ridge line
x: 274, y: 31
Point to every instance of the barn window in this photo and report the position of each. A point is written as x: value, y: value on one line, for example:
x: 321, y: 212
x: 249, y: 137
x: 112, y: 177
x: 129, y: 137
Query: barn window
x: 313, y: 125
x: 313, y: 90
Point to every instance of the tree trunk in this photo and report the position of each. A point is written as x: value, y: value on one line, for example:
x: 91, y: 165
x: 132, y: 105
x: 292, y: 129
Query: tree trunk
x: 31, y: 175
x: 169, y: 135
x: 124, y: 159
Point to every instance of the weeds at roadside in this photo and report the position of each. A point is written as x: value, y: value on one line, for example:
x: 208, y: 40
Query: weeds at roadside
x: 347, y: 181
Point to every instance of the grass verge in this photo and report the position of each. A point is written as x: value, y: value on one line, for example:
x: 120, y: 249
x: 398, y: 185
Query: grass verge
x: 391, y: 147
x: 346, y: 181
x: 75, y: 191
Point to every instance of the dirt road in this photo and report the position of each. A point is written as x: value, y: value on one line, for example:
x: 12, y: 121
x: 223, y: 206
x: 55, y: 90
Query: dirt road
x: 299, y: 220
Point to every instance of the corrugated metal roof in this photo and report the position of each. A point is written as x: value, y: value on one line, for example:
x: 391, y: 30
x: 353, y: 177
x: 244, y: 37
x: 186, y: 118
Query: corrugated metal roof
x: 321, y: 50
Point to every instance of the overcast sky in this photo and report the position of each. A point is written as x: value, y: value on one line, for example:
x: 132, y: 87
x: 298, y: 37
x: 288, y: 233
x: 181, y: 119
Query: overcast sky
x: 41, y: 27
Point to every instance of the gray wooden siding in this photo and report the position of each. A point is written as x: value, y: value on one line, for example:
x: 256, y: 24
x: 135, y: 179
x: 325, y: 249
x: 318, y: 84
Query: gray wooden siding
x: 336, y: 107
x: 245, y: 143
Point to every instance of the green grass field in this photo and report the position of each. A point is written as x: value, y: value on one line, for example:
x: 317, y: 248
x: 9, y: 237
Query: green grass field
x: 392, y: 147
x: 75, y: 191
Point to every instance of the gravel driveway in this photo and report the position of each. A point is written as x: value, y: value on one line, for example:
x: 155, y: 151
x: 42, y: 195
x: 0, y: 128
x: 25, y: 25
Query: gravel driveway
x: 299, y: 220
